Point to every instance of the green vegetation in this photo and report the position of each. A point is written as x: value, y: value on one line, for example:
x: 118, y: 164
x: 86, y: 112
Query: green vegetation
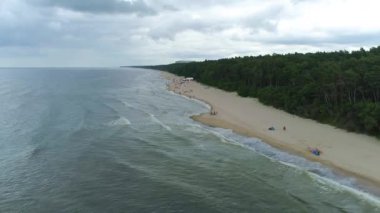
x: 340, y: 88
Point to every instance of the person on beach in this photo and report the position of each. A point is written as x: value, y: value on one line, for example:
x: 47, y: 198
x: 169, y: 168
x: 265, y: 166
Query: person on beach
x: 284, y: 128
x: 315, y: 151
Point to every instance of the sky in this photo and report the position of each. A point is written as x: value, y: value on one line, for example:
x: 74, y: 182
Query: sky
x: 103, y: 33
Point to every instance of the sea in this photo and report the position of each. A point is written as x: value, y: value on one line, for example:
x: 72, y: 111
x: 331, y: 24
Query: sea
x: 116, y: 140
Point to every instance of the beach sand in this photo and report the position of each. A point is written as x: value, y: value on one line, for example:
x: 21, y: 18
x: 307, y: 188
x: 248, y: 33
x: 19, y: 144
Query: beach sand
x: 351, y: 153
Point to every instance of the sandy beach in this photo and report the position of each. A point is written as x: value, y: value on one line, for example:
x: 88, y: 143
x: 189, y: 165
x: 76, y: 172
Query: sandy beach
x: 351, y: 153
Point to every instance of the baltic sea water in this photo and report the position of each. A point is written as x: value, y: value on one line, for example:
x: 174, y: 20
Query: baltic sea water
x: 115, y: 140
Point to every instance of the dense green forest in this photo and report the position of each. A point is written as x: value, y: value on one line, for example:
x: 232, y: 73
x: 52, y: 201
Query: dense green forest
x: 340, y: 88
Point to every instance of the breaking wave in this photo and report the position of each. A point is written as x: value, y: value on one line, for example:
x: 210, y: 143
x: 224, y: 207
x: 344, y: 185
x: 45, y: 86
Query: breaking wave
x: 122, y: 121
x: 156, y: 120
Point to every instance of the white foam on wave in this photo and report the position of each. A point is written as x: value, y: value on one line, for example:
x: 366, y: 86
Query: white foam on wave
x: 317, y: 171
x: 153, y: 117
x: 341, y: 187
x: 199, y: 102
x: 193, y: 99
x: 128, y: 104
x: 156, y: 120
x: 223, y: 138
x: 196, y: 129
x: 122, y: 121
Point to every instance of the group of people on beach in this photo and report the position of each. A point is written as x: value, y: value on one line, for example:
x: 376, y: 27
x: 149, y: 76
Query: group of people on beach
x: 315, y: 151
x: 213, y: 111
x: 179, y: 85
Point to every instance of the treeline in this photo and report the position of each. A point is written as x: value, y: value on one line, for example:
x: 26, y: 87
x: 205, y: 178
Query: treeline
x: 340, y: 88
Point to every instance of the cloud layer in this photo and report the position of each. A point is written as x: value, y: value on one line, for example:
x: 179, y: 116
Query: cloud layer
x: 99, y: 6
x: 121, y: 32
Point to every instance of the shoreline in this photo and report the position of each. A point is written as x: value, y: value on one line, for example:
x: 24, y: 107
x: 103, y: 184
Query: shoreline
x: 348, y: 154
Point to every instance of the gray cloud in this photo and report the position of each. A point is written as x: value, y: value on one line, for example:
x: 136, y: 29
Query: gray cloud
x: 121, y: 32
x: 169, y: 28
x: 266, y: 19
x: 101, y: 6
x: 340, y: 38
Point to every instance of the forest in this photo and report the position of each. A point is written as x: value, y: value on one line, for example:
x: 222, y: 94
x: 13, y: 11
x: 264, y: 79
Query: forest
x: 339, y: 88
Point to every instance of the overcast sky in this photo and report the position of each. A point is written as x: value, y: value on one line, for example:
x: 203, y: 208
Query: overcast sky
x: 120, y: 32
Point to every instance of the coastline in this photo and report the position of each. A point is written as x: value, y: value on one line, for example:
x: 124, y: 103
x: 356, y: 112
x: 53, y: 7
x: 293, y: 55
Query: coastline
x: 348, y: 153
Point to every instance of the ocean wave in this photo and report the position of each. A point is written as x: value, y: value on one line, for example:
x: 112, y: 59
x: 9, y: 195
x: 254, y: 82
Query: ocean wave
x: 315, y: 170
x: 16, y: 92
x: 195, y: 129
x: 128, y: 105
x: 156, y: 120
x: 122, y: 121
x: 36, y: 151
x: 348, y: 188
x: 152, y: 117
x: 192, y: 99
x: 106, y: 106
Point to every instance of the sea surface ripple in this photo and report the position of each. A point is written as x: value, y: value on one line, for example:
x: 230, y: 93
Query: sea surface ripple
x: 115, y: 140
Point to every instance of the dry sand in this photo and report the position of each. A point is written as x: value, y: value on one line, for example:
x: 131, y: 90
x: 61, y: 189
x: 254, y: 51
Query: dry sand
x: 351, y: 153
